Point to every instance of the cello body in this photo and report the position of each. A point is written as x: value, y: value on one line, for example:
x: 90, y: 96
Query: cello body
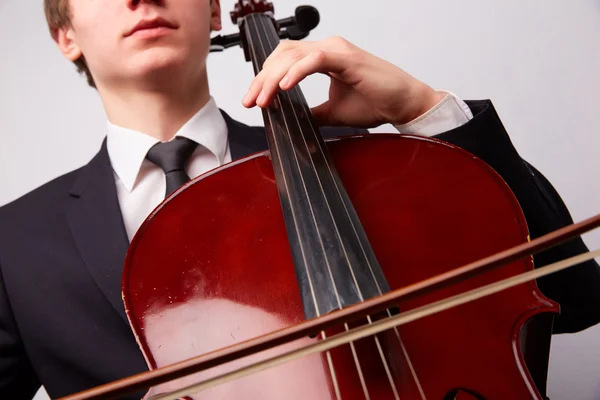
x: 212, y: 266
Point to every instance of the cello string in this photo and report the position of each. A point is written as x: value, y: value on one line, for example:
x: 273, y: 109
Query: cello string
x: 404, y: 351
x: 278, y: 99
x: 328, y: 355
x: 336, y: 386
x: 341, y: 243
x: 338, y: 237
x: 346, y: 327
x: 253, y: 48
x: 382, y: 325
x: 358, y: 289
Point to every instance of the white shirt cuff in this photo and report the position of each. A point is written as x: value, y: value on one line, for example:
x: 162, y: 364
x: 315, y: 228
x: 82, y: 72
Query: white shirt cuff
x: 451, y: 112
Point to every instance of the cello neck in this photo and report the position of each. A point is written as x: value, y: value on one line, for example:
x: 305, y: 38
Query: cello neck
x: 260, y: 39
x: 333, y: 260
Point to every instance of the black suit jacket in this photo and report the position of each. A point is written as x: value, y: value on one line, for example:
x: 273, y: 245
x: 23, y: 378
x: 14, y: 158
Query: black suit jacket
x: 62, y: 247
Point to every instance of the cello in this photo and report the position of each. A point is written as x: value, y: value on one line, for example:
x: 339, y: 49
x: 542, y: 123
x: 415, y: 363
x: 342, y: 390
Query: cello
x: 311, y: 228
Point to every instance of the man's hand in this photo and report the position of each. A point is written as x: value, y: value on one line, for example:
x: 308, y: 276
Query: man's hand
x: 365, y: 90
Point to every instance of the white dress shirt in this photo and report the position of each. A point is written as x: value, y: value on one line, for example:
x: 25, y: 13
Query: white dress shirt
x: 141, y: 185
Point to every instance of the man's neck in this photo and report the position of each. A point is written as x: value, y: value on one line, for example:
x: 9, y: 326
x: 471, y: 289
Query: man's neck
x: 156, y: 111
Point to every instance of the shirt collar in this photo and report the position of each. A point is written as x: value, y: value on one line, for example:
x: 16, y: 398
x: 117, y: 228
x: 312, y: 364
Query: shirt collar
x: 127, y: 148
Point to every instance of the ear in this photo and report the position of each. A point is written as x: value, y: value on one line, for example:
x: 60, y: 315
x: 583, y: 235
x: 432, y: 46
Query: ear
x: 64, y: 38
x: 215, y: 16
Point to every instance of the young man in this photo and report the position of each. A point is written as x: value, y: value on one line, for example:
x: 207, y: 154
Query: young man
x: 62, y: 246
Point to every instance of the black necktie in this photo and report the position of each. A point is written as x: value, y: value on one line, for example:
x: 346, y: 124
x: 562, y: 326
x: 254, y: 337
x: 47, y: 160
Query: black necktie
x: 172, y: 157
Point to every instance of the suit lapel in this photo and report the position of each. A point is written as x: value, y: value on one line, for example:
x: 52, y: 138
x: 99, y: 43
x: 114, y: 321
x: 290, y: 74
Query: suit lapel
x: 97, y: 227
x: 243, y: 139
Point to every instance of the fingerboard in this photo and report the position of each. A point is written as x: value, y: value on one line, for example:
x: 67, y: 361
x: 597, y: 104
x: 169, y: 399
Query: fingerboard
x: 334, y: 262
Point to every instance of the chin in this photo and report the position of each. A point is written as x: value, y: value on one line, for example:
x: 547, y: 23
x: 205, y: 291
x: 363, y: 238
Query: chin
x: 157, y: 59
x: 159, y: 64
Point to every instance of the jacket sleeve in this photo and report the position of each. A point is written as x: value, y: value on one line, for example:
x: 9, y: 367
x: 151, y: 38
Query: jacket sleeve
x: 576, y: 289
x: 17, y: 377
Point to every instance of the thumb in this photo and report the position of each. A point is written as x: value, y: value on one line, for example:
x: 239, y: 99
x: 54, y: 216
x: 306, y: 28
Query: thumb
x: 323, y: 115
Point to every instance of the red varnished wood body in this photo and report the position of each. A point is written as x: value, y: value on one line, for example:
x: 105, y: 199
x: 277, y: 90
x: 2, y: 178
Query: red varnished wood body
x: 212, y: 266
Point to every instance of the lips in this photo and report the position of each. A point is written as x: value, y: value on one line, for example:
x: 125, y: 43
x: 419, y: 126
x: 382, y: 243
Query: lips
x: 149, y: 24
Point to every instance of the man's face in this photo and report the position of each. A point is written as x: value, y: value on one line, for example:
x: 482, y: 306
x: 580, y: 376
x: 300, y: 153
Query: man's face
x: 174, y: 34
